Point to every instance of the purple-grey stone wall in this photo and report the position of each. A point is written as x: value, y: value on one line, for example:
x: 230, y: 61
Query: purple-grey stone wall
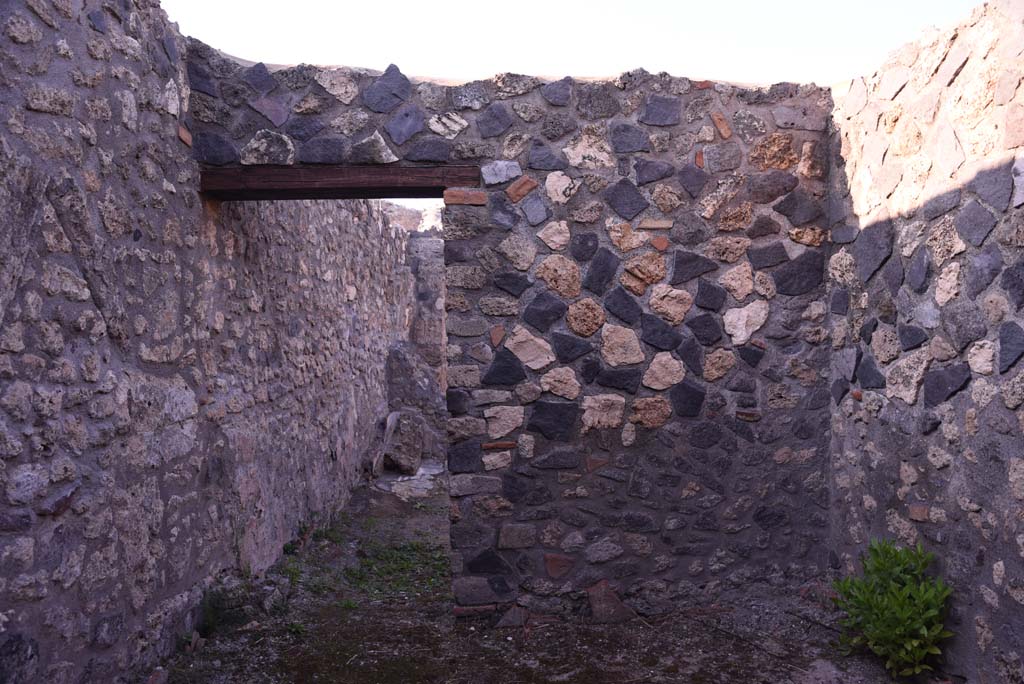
x: 699, y: 336
x: 637, y: 361
x: 927, y: 329
x: 182, y: 385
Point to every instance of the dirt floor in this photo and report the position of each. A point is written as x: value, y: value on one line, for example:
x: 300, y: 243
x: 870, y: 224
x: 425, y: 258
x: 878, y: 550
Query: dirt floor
x: 367, y: 602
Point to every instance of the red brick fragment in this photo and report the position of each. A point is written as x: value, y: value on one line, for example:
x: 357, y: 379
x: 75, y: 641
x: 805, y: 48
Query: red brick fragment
x: 557, y: 565
x: 476, y: 198
x: 919, y: 512
x: 698, y: 159
x: 605, y: 605
x: 660, y: 243
x: 185, y: 135
x: 722, y: 124
x: 521, y: 188
x: 498, y: 446
x: 497, y: 335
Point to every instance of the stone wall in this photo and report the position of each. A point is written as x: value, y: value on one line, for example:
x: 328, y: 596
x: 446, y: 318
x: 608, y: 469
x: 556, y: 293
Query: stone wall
x: 637, y: 357
x: 181, y: 386
x: 654, y: 390
x: 427, y: 330
x: 926, y: 289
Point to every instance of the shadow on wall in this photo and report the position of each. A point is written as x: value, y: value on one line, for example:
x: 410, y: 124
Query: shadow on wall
x: 138, y: 335
x: 928, y: 383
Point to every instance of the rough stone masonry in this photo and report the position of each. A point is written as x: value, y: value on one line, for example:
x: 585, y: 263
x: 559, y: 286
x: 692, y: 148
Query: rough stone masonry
x: 182, y: 385
x: 926, y: 322
x: 700, y: 336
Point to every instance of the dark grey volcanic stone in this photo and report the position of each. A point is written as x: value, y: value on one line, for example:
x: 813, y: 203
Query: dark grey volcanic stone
x: 583, y: 246
x: 625, y: 379
x: 872, y: 247
x: 1011, y: 345
x: 513, y: 283
x: 568, y: 348
x: 706, y: 328
x: 911, y: 336
x: 940, y: 385
x: 693, y: 179
x: 505, y: 369
x: 687, y: 398
x: 919, y: 272
x: 650, y: 170
x: 557, y: 93
x: 765, y: 187
x: 658, y: 333
x: 868, y: 374
x: 687, y: 266
x: 982, y: 269
x: 544, y: 310
x: 543, y: 158
x: 801, y: 275
x: 709, y: 295
x: 767, y: 256
x: 391, y: 89
x: 623, y: 305
x: 660, y: 110
x: 626, y: 138
x: 493, y: 121
x: 601, y: 271
x: 210, y: 148
x: 974, y: 222
x: 556, y: 420
x: 799, y: 207
x: 625, y: 199
x: 407, y: 122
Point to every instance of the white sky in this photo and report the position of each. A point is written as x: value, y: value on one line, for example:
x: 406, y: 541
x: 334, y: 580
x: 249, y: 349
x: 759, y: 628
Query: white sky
x: 743, y: 41
x: 746, y: 41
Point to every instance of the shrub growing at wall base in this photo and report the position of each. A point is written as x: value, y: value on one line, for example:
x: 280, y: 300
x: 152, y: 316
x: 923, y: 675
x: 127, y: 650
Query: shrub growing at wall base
x: 895, y: 610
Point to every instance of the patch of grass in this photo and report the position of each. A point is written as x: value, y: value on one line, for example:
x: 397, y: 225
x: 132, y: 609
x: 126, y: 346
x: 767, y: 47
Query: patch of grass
x: 296, y: 629
x: 292, y: 569
x: 320, y: 586
x: 408, y: 568
x: 347, y: 604
x: 335, y: 534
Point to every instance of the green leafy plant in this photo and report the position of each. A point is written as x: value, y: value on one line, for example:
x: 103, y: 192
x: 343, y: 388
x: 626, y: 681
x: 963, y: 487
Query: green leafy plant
x: 895, y: 609
x: 408, y: 568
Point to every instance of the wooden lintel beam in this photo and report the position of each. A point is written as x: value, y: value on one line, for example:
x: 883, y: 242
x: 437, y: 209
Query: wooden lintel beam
x: 333, y: 182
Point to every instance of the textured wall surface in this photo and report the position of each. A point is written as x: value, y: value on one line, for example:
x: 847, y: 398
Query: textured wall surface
x: 927, y: 285
x: 180, y: 386
x: 698, y: 335
x: 427, y: 329
x: 637, y: 357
